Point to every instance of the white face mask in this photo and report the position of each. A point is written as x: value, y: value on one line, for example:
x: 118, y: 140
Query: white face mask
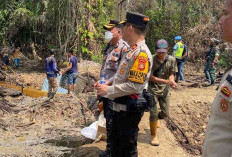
x: 108, y: 36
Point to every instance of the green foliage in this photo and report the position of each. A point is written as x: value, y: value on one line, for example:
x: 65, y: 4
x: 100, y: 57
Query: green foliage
x: 77, y: 24
x: 225, y: 59
x: 98, y: 57
x: 169, y: 18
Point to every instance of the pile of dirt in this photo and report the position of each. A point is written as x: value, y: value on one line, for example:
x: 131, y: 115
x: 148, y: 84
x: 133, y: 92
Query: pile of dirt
x: 25, y: 79
x: 190, y: 110
x: 89, y: 70
x: 37, y: 127
x: 90, y: 67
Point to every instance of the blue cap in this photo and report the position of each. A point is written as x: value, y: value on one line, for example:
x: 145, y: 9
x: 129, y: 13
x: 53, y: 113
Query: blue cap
x: 178, y: 38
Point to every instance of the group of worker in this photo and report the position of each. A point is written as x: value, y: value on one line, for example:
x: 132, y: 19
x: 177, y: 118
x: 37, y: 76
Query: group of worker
x: 4, y: 55
x: 130, y: 70
x: 52, y: 72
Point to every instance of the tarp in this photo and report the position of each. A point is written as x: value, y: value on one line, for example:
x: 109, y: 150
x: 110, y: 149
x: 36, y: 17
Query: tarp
x: 96, y: 129
x: 60, y: 89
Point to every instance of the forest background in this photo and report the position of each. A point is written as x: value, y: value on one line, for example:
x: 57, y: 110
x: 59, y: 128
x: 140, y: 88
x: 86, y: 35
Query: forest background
x: 78, y: 25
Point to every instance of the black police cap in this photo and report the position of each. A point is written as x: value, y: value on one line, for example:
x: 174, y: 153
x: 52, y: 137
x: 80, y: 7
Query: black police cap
x: 112, y: 23
x: 136, y: 19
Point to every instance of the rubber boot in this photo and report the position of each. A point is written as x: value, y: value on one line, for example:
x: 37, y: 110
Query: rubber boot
x: 154, y: 138
x: 212, y: 83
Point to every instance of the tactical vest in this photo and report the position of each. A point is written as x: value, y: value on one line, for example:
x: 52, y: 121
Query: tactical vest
x: 180, y: 50
x: 49, y: 67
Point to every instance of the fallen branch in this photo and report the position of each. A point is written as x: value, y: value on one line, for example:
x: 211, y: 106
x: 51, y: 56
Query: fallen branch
x: 85, y: 106
x: 24, y: 56
x: 183, y: 134
x: 26, y: 125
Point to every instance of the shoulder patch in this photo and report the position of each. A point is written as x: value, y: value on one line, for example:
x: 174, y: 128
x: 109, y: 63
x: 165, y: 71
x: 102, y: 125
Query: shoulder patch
x: 224, y: 105
x: 139, y: 70
x: 226, y: 91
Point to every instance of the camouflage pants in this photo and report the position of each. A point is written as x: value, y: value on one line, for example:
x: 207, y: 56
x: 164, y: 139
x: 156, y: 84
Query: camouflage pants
x: 212, y: 72
x: 163, y: 101
x: 52, y: 85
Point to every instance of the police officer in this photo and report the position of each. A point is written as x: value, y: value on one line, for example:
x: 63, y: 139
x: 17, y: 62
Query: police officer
x: 162, y: 78
x: 178, y: 53
x: 130, y: 80
x: 218, y: 141
x: 212, y: 61
x: 51, y: 71
x: 113, y: 54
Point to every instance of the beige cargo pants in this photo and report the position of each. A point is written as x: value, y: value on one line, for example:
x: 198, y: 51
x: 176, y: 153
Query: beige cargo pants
x: 52, y: 84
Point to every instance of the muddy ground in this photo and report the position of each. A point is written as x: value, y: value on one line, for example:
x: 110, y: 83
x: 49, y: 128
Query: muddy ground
x: 35, y: 127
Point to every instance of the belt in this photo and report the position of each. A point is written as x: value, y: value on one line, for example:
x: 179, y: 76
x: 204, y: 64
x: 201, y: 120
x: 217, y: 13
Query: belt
x: 125, y: 99
x: 51, y: 73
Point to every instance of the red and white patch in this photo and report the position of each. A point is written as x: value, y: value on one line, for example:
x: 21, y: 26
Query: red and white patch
x: 224, y: 105
x: 142, y: 63
x: 141, y: 66
x: 134, y: 46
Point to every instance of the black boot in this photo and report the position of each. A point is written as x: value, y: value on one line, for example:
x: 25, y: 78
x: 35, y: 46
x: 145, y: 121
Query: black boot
x: 104, y: 154
x: 212, y: 82
x: 49, y: 95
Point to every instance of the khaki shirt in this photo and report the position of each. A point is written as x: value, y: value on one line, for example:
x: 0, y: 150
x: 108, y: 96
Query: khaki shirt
x: 132, y: 75
x: 218, y: 141
x: 169, y: 68
x: 112, y: 59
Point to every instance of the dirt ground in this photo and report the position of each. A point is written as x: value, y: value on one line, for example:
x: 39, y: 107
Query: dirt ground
x: 30, y: 77
x: 189, y: 110
x: 36, y: 128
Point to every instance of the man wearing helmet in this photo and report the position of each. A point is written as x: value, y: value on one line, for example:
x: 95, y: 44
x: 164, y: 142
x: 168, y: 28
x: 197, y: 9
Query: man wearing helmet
x: 178, y: 54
